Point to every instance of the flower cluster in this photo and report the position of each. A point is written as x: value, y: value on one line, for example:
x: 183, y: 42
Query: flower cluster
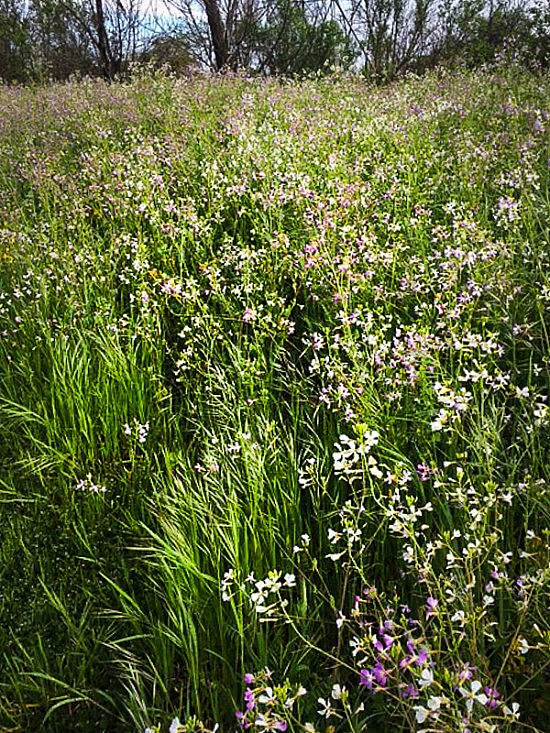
x: 88, y: 485
x: 137, y: 430
x: 268, y: 706
x: 398, y: 655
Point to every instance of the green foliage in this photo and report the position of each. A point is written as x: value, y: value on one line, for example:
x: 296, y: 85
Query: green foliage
x: 477, y: 32
x: 15, y: 42
x: 289, y: 43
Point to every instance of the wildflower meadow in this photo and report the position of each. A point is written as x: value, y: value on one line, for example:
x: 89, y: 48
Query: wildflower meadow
x: 274, y: 416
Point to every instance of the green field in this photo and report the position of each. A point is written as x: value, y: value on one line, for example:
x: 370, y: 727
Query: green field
x: 274, y: 419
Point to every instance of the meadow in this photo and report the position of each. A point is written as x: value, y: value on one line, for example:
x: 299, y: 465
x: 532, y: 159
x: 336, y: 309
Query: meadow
x: 274, y: 418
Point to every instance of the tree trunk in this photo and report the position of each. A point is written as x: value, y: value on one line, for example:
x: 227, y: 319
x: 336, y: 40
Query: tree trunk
x: 217, y: 31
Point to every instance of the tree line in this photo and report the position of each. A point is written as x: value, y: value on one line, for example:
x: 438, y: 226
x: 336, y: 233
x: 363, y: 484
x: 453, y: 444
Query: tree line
x: 42, y: 40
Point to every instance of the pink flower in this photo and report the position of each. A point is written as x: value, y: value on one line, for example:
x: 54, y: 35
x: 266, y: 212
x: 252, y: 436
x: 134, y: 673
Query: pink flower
x: 249, y: 315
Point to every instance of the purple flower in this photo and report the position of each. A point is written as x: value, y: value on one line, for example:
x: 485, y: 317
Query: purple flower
x: 366, y: 678
x: 409, y: 691
x: 492, y: 697
x: 242, y: 720
x: 249, y: 699
x: 248, y: 678
x: 424, y: 472
x: 383, y: 642
x: 431, y: 605
x: 421, y: 657
x: 379, y: 674
x: 466, y: 673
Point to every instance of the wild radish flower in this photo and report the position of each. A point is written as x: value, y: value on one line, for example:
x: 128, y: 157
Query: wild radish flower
x: 346, y: 455
x: 374, y: 678
x: 175, y: 726
x: 431, y: 606
x: 317, y: 341
x: 409, y: 691
x: 338, y: 692
x: 507, y: 210
x: 335, y: 556
x: 473, y: 695
x: 171, y: 287
x: 267, y: 722
x: 492, y: 697
x: 369, y: 439
x: 513, y: 711
x: 249, y: 315
x: 88, y: 485
x: 290, y: 580
x: 227, y: 583
x: 459, y: 617
x: 267, y: 696
x: 137, y: 430
x: 326, y: 709
x: 426, y: 678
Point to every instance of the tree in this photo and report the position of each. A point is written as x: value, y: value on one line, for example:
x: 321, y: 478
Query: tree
x: 292, y: 41
x: 15, y: 42
x: 111, y: 28
x: 284, y: 36
x: 394, y: 33
x: 59, y: 48
x: 169, y: 50
x: 477, y: 31
x: 217, y: 30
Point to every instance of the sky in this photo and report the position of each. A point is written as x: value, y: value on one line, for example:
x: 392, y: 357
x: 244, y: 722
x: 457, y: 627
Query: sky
x: 159, y: 8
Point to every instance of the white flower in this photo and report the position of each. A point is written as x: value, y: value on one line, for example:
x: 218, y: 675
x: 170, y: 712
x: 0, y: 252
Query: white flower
x: 459, y: 618
x: 326, y: 709
x: 337, y: 692
x: 370, y: 438
x: 340, y: 620
x: 513, y: 712
x: 335, y: 555
x: 426, y: 678
x: 473, y: 694
x: 174, y: 726
x: 436, y: 425
x: 267, y: 696
x: 434, y: 703
x: 421, y: 713
x: 290, y: 580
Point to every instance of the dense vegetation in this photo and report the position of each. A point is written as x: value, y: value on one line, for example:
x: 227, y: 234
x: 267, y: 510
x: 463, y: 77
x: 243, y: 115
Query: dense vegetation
x: 45, y: 40
x: 274, y: 414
